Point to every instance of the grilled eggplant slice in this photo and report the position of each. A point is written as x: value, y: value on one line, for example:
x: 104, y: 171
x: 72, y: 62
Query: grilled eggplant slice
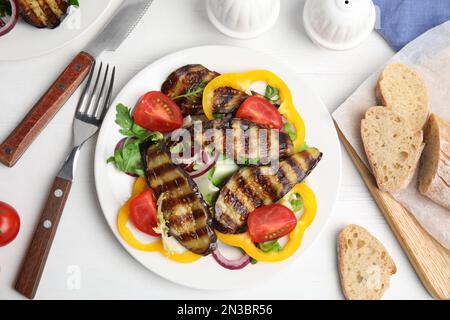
x: 227, y: 100
x: 239, y: 139
x: 185, y: 86
x: 252, y: 187
x: 186, y: 213
x: 43, y: 13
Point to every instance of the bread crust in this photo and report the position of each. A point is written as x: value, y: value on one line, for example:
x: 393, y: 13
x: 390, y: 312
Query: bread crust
x: 434, y: 174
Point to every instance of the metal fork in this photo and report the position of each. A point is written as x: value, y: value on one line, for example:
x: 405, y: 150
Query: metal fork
x: 90, y: 112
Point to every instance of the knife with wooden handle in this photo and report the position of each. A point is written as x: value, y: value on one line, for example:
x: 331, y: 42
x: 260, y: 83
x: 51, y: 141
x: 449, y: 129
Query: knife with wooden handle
x: 118, y: 28
x: 40, y: 115
x: 115, y: 32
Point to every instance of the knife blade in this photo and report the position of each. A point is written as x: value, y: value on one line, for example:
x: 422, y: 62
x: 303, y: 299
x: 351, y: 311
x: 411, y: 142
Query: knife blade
x: 125, y: 18
x: 120, y: 26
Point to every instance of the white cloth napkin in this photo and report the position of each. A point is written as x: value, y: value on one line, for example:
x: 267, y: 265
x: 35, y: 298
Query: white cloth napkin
x: 430, y: 56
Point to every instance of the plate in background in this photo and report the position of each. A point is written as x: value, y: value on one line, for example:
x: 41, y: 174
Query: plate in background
x: 26, y: 41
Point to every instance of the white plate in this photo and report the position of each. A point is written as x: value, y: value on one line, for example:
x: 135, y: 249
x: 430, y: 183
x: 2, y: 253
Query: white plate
x: 114, y: 188
x: 26, y: 41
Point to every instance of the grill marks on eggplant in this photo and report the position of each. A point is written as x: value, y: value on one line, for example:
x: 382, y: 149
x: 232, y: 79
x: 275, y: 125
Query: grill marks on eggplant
x: 43, y: 13
x: 239, y: 139
x: 185, y: 212
x: 252, y: 187
x: 227, y: 100
x: 189, y: 77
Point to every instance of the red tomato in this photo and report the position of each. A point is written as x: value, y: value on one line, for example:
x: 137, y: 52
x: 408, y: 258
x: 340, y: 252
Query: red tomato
x: 157, y: 112
x: 9, y: 224
x: 260, y: 111
x: 143, y: 212
x: 270, y: 222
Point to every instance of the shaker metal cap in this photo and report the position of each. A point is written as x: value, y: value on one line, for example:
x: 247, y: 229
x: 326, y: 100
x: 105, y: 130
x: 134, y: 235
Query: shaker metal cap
x: 339, y: 24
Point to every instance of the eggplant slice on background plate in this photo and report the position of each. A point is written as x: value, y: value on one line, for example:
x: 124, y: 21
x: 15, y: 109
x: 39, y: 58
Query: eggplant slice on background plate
x: 44, y: 13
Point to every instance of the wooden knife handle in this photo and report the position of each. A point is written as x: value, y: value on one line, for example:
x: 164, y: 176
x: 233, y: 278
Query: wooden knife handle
x: 34, y: 262
x: 45, y: 109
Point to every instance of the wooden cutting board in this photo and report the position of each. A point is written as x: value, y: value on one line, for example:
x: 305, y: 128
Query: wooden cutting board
x: 430, y: 259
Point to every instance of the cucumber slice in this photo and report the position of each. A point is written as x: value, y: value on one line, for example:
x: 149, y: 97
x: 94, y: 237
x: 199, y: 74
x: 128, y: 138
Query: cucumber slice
x: 224, y: 169
x: 208, y: 190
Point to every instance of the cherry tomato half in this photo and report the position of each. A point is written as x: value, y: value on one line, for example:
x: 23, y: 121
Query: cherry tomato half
x: 270, y: 222
x: 9, y: 224
x: 157, y: 112
x: 260, y: 111
x: 143, y: 212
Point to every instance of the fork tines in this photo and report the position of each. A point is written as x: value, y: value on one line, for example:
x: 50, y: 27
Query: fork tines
x: 96, y: 96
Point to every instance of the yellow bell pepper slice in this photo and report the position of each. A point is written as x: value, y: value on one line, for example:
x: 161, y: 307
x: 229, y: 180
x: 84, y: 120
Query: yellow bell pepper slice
x: 139, y: 186
x: 243, y: 82
x: 244, y: 241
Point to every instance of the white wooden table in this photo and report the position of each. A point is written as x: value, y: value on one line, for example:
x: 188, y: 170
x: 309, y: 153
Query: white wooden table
x: 86, y: 261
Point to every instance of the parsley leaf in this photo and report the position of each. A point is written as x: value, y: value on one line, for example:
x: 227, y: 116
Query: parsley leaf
x: 272, y: 94
x: 128, y: 127
x: 74, y: 3
x: 5, y: 8
x: 128, y: 158
x: 270, y: 246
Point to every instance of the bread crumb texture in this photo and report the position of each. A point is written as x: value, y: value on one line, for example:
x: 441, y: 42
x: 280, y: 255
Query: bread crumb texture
x: 392, y: 148
x: 365, y: 267
x: 403, y: 90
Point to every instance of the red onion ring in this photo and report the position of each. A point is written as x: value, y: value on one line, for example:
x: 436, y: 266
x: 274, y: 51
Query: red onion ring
x: 231, y: 264
x: 209, y: 161
x: 184, y: 162
x: 120, y: 144
x: 187, y: 161
x: 7, y: 27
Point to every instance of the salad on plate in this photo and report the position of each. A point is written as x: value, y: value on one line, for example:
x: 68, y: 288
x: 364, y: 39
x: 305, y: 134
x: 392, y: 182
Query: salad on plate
x: 218, y: 160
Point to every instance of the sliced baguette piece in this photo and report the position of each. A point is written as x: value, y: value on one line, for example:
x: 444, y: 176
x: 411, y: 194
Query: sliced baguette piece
x: 392, y: 148
x: 365, y: 267
x: 403, y: 90
x: 434, y: 174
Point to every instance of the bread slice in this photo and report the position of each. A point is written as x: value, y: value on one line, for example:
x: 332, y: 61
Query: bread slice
x: 404, y: 91
x: 365, y: 267
x: 392, y: 148
x: 434, y: 175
